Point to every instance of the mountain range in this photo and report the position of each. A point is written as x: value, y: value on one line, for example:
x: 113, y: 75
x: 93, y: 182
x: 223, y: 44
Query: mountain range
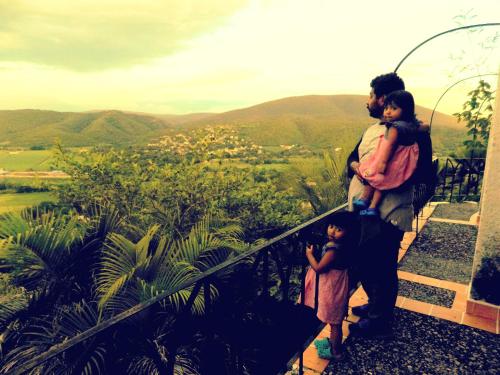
x: 315, y: 120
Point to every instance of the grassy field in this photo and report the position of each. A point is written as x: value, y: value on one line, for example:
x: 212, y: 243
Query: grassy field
x: 25, y: 160
x: 16, y: 202
x: 32, y: 181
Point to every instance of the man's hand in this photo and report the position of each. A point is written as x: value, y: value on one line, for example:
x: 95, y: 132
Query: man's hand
x: 381, y: 167
x: 355, y: 169
x: 424, y: 128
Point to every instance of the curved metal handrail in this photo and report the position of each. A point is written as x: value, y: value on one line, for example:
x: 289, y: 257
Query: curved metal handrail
x: 453, y: 85
x: 442, y: 33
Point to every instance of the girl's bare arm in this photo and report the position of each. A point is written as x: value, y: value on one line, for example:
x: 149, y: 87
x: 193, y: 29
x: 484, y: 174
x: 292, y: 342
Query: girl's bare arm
x: 325, y: 261
x: 385, y: 156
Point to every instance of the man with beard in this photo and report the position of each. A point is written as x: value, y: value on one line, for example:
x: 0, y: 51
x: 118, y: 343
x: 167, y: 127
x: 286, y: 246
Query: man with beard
x: 375, y: 263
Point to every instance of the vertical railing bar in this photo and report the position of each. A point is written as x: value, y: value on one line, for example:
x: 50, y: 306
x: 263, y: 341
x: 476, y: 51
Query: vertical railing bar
x: 316, y: 292
x: 192, y: 297
x: 185, y: 310
x: 301, y: 363
x: 444, y: 177
x: 290, y: 264
x: 265, y: 274
x: 476, y: 186
x: 452, y: 183
x: 288, y: 273
x: 277, y: 260
x: 206, y: 295
x: 416, y: 228
x: 232, y: 361
x: 256, y: 262
x: 468, y: 178
x: 460, y: 180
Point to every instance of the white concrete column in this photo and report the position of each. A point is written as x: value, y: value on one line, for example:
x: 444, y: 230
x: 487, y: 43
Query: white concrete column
x: 488, y: 238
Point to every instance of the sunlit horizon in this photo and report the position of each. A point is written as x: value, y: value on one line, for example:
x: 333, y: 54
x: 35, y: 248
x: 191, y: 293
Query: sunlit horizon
x: 188, y: 57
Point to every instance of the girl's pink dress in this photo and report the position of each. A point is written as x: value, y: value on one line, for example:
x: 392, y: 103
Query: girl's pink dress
x: 399, y: 168
x: 333, y: 294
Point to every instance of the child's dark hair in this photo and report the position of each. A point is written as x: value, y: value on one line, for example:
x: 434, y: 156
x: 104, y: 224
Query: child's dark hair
x: 404, y: 100
x: 345, y: 220
x: 386, y: 83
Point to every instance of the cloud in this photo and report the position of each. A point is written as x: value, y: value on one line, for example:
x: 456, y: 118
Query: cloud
x: 90, y: 35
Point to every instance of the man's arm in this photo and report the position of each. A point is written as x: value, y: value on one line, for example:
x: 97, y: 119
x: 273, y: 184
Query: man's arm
x: 353, y: 161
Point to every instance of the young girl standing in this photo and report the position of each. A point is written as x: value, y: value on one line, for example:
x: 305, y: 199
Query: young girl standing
x: 333, y: 283
x: 395, y: 158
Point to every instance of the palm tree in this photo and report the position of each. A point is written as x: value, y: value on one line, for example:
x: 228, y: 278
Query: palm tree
x: 50, y: 256
x: 67, y: 321
x: 130, y: 273
x: 39, y: 254
x: 323, y: 187
x: 45, y: 254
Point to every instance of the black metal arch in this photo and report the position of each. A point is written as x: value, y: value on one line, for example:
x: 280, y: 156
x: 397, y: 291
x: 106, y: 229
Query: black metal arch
x: 453, y: 85
x: 442, y: 33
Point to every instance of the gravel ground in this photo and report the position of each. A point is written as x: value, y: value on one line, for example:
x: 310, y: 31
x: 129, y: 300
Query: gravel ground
x: 443, y: 251
x: 456, y: 211
x: 426, y: 293
x: 422, y: 344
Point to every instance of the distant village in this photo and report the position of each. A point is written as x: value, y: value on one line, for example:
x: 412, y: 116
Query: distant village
x: 222, y: 142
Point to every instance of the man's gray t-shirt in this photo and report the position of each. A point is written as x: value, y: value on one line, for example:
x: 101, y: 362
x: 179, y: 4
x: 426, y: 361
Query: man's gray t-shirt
x: 396, y: 206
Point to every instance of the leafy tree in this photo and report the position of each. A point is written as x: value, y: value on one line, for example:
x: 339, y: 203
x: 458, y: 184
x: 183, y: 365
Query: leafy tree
x: 150, y: 189
x: 323, y: 186
x: 477, y: 113
x: 172, y: 219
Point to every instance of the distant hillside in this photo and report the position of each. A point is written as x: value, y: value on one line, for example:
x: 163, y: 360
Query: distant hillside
x: 35, y: 127
x: 314, y: 120
x: 320, y: 120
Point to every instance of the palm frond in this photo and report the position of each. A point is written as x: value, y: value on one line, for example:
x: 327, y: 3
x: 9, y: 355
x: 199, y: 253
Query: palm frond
x: 323, y: 188
x: 11, y: 307
x: 38, y: 248
x: 12, y: 224
x: 122, y: 261
x: 46, y: 332
x: 142, y: 365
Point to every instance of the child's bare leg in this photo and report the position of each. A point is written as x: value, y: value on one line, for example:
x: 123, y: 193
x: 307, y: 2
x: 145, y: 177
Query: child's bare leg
x: 336, y: 338
x: 368, y: 191
x: 377, y: 197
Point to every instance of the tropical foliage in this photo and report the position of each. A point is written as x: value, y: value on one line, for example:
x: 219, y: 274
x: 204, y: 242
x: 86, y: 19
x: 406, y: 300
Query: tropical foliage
x: 132, y: 225
x: 477, y: 113
x: 153, y: 187
x: 65, y: 262
x: 323, y: 186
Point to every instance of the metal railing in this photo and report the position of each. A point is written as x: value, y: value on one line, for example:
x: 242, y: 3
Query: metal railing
x: 423, y: 193
x: 460, y: 179
x: 278, y: 265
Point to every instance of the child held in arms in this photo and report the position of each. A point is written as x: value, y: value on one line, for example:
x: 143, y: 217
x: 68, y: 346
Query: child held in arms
x: 333, y: 285
x: 396, y: 155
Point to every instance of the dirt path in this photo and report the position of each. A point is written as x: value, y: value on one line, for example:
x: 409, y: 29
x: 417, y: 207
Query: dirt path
x: 33, y: 174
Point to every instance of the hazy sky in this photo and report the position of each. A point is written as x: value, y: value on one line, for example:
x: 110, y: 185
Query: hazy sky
x: 181, y: 56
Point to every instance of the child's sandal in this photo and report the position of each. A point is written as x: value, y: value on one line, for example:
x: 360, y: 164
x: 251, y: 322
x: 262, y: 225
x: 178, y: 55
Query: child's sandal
x: 325, y: 352
x: 370, y: 212
x: 322, y: 343
x: 360, y: 204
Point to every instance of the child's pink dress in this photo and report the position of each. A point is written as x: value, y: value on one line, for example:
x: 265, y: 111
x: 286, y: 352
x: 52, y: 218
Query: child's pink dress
x: 400, y: 166
x: 333, y: 291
